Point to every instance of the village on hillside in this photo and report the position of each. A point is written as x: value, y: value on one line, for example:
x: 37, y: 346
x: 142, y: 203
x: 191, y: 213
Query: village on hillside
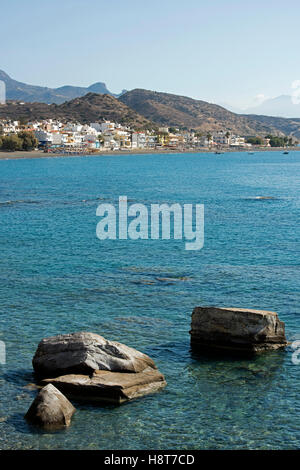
x: 54, y: 136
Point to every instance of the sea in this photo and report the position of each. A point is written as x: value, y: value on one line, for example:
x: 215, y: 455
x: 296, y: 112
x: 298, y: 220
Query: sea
x: 57, y: 277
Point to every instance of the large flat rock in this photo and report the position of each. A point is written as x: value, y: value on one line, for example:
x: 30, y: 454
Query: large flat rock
x: 83, y: 353
x: 236, y: 329
x: 50, y: 409
x: 106, y: 386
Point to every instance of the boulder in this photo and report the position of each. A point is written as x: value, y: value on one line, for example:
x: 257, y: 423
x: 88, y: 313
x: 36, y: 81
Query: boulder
x: 83, y: 353
x: 50, y: 409
x: 236, y: 329
x: 106, y: 386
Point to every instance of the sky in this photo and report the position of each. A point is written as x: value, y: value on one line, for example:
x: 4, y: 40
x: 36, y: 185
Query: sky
x: 224, y: 51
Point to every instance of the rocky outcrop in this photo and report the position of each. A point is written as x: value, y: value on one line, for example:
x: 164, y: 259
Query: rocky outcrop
x: 84, y: 353
x: 50, y: 409
x: 236, y: 329
x: 106, y: 386
x: 86, y: 366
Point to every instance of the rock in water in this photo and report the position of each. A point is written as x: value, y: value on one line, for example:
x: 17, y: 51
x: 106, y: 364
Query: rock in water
x: 106, y: 386
x: 50, y: 409
x: 83, y: 353
x: 236, y: 329
x: 89, y: 367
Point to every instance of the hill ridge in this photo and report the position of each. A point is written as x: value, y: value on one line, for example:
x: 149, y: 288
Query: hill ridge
x: 16, y: 90
x: 89, y: 108
x: 185, y: 112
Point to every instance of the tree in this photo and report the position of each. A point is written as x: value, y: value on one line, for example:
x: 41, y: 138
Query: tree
x: 29, y: 141
x: 22, y: 141
x: 276, y: 141
x: 209, y: 137
x: 101, y: 139
x: 254, y: 141
x: 11, y: 143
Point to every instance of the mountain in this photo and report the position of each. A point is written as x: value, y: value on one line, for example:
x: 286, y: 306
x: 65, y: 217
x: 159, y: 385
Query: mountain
x: 281, y: 106
x: 148, y: 109
x: 30, y: 93
x: 286, y: 126
x: 184, y: 112
x: 229, y: 107
x: 70, y: 92
x: 88, y: 108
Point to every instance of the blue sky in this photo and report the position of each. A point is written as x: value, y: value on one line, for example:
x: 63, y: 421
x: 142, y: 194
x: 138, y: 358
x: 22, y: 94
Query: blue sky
x: 221, y: 51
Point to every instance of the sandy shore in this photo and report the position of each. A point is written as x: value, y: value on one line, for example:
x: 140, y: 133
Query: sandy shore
x: 39, y: 154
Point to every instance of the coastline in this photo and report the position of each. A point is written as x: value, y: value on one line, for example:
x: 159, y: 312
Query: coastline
x: 39, y: 154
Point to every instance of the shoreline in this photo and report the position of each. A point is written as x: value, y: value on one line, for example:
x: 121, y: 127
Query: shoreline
x: 21, y: 155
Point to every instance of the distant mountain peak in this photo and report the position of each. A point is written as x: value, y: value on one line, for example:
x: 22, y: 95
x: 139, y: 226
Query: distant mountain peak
x: 280, y: 106
x: 99, y: 87
x: 30, y: 93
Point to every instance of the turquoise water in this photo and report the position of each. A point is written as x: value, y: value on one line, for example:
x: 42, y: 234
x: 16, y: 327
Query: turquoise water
x: 57, y: 277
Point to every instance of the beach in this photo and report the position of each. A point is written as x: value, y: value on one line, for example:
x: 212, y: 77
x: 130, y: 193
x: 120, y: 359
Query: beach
x: 4, y: 155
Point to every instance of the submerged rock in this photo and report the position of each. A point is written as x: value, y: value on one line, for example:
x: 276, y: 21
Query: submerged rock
x: 106, y: 386
x: 172, y: 279
x: 236, y: 329
x: 83, y: 353
x: 50, y: 409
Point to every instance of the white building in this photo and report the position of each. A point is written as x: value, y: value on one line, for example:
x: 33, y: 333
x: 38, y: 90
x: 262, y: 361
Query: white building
x: 43, y: 137
x: 237, y: 141
x: 70, y: 127
x: 107, y: 126
x: 221, y: 138
x: 96, y: 126
x: 138, y: 140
